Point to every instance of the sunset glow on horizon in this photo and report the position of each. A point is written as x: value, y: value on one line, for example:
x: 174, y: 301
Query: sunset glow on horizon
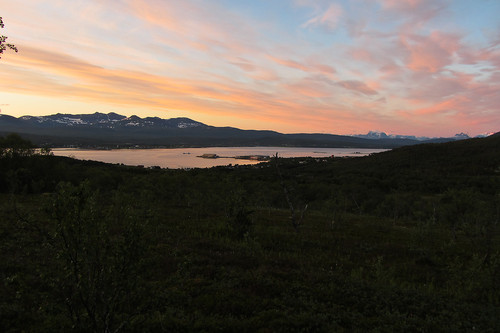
x: 411, y: 67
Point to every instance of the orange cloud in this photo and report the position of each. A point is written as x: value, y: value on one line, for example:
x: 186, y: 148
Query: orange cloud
x: 44, y: 72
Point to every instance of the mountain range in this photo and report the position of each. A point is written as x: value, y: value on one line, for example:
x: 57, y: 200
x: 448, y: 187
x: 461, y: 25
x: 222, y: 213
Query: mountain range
x: 382, y: 135
x: 114, y: 130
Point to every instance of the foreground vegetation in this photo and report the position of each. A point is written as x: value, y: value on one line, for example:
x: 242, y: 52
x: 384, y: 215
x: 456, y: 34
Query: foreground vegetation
x: 406, y: 240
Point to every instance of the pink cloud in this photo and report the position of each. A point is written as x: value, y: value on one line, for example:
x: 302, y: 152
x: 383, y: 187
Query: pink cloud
x: 243, y: 64
x: 430, y: 53
x: 435, y: 89
x: 357, y: 86
x: 362, y: 54
x: 205, y: 26
x: 414, y: 13
x: 310, y: 88
x: 325, y: 69
x: 491, y: 55
x: 448, y: 106
x: 403, y: 5
x: 308, y: 67
x: 290, y: 63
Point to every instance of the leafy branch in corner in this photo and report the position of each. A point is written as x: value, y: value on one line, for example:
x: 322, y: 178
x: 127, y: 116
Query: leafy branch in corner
x: 3, y: 45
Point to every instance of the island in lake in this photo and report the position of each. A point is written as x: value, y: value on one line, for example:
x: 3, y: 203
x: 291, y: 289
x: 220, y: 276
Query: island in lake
x: 242, y: 157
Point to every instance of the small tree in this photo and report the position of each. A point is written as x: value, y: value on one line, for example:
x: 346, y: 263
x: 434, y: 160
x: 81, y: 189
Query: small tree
x: 3, y: 45
x: 13, y: 145
x: 98, y: 252
x: 239, y: 221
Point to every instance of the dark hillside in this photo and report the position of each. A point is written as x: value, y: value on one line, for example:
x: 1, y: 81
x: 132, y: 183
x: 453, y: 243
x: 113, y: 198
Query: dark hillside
x: 465, y: 155
x: 406, y: 240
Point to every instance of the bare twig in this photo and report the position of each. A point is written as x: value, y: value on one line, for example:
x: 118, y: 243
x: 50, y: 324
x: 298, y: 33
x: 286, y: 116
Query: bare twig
x: 295, y: 222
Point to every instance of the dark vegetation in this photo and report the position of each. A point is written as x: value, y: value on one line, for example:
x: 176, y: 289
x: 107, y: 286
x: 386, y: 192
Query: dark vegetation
x: 404, y: 241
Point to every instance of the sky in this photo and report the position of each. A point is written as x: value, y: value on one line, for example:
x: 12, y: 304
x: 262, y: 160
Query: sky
x: 410, y: 67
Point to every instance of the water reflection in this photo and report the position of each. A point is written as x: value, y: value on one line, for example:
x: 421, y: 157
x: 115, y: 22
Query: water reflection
x: 178, y: 158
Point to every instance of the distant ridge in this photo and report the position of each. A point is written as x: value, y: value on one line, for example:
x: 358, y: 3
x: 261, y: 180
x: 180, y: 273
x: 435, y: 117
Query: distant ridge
x: 382, y: 135
x: 115, y: 130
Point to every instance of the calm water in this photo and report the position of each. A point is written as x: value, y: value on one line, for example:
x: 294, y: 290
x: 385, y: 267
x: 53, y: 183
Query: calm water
x: 177, y: 158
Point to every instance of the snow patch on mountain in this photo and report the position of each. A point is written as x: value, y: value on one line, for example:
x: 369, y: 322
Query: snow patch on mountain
x: 71, y: 121
x: 188, y: 125
x: 110, y: 120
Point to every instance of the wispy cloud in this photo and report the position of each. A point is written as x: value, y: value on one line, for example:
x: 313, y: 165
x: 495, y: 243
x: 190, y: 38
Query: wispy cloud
x: 305, y: 66
x: 328, y: 18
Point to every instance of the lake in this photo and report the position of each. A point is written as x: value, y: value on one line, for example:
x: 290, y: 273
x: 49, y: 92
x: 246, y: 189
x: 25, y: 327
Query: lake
x: 179, y: 158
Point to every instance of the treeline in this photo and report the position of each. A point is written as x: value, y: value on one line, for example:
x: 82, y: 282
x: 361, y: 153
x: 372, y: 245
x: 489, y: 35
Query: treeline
x: 406, y: 240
